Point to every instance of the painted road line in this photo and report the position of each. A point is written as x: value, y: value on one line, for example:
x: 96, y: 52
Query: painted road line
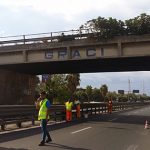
x: 80, y: 130
x: 113, y: 119
x: 145, y: 132
x: 132, y: 147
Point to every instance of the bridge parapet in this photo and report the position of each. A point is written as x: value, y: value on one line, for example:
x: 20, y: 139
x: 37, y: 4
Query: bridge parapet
x: 63, y: 38
x: 84, y: 48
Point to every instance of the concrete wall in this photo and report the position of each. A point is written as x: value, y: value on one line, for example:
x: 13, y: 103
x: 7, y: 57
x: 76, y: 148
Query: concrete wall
x: 16, y: 88
x: 130, y: 46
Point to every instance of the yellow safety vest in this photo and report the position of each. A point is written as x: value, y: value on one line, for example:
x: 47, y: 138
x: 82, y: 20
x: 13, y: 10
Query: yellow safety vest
x: 69, y: 106
x: 43, y: 110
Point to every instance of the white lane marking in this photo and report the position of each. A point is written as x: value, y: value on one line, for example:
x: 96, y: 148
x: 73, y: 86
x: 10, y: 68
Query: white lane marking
x: 113, y: 119
x: 145, y: 132
x: 80, y: 130
x: 132, y: 147
x: 141, y: 110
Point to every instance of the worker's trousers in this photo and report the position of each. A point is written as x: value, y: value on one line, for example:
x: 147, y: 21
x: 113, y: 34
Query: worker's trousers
x: 45, y: 132
x: 78, y: 111
x: 110, y: 109
x: 68, y: 115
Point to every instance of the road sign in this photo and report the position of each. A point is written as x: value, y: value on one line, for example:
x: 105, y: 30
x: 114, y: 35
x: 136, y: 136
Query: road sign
x: 135, y: 91
x: 121, y: 91
x: 45, y: 77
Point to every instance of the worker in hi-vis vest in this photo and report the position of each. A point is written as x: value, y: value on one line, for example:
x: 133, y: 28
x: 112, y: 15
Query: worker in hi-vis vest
x: 77, y: 106
x: 43, y: 104
x: 68, y: 106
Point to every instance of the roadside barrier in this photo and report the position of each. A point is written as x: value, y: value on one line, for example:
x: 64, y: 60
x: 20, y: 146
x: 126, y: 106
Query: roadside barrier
x: 16, y: 114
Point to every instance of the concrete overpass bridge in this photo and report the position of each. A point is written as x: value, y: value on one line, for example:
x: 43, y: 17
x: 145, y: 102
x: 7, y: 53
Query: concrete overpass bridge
x: 74, y: 52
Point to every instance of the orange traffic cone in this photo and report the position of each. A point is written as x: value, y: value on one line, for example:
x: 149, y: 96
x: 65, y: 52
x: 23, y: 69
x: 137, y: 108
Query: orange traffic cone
x: 146, y: 125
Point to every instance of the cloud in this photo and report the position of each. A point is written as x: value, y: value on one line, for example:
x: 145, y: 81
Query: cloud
x: 76, y: 7
x: 28, y: 16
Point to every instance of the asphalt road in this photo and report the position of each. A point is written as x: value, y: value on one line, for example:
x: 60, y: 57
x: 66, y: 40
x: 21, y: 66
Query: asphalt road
x: 118, y: 131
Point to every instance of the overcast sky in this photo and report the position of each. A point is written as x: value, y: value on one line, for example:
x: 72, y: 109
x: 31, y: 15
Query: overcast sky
x: 20, y: 17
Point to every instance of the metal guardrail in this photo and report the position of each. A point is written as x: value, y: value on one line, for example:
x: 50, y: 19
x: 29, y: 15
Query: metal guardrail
x: 17, y: 114
x: 46, y: 37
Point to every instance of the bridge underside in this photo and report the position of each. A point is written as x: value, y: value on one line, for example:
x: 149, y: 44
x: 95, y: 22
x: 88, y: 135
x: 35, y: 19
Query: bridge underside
x: 83, y: 66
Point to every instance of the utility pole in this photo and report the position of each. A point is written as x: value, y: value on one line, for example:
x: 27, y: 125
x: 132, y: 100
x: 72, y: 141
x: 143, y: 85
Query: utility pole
x: 143, y: 87
x: 129, y: 88
x: 129, y: 85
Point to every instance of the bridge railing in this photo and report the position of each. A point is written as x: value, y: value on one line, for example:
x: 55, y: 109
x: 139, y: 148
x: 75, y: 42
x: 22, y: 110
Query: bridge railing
x: 16, y: 114
x: 45, y: 37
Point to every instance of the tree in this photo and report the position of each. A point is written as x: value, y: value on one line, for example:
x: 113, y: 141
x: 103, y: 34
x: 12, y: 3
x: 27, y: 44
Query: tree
x: 113, y: 95
x: 96, y: 95
x: 73, y: 80
x: 138, y: 25
x: 110, y: 27
x: 104, y: 90
x: 105, y: 28
x: 88, y: 91
x: 60, y: 87
x: 56, y: 88
x: 81, y: 95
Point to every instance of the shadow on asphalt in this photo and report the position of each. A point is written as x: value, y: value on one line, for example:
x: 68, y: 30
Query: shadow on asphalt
x: 54, y: 145
x: 2, y: 148
x: 33, y: 131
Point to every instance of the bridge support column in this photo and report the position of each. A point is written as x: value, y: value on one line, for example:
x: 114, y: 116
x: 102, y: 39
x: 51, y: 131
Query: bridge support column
x: 120, y: 52
x: 24, y: 55
x: 69, y: 52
